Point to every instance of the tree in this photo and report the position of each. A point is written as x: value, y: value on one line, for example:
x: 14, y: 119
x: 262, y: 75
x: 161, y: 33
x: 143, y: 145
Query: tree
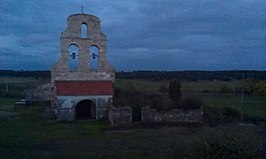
x: 260, y: 88
x: 224, y: 88
x: 250, y: 85
x: 175, y: 90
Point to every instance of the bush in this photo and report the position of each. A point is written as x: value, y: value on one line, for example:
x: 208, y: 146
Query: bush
x: 260, y: 89
x: 230, y: 146
x: 215, y: 115
x: 250, y: 85
x: 160, y: 102
x: 163, y: 87
x: 130, y: 97
x: 230, y: 114
x: 188, y: 103
x: 130, y: 86
x: 225, y: 89
x: 175, y: 90
x: 156, y: 101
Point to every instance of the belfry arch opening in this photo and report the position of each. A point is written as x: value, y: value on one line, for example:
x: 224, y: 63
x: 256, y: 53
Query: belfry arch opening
x: 73, y: 58
x: 94, y: 57
x: 84, y: 30
x: 85, y: 109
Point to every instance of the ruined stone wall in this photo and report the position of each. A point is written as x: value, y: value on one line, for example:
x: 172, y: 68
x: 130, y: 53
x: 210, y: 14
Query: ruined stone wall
x: 176, y: 115
x: 120, y: 115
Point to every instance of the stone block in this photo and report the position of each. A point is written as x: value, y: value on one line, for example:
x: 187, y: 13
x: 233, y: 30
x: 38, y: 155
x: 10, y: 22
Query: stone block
x: 120, y: 115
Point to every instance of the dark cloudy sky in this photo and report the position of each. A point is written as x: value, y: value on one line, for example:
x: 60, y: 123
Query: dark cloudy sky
x: 142, y: 34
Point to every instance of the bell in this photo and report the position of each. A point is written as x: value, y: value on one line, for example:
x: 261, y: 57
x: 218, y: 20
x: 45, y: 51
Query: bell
x: 73, y: 55
x: 94, y: 56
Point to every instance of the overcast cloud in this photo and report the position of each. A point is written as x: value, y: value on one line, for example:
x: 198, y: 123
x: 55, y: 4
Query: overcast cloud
x: 142, y: 34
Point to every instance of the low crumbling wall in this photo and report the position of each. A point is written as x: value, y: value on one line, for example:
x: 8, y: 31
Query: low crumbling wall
x: 176, y: 115
x: 120, y: 115
x: 40, y: 93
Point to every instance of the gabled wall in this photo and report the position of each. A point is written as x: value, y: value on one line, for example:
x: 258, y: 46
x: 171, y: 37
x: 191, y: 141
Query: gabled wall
x: 71, y: 85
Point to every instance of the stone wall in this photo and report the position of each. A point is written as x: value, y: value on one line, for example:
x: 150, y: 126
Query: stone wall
x: 41, y: 93
x: 65, y: 110
x: 120, y: 115
x: 176, y: 115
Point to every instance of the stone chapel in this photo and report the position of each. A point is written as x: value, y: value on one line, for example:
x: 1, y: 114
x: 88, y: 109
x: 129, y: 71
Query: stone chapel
x: 82, y: 79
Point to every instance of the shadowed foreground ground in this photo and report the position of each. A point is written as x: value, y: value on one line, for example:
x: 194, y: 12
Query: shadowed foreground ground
x: 24, y: 134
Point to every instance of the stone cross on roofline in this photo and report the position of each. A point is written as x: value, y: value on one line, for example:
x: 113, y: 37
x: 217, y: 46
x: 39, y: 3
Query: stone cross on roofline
x: 82, y: 8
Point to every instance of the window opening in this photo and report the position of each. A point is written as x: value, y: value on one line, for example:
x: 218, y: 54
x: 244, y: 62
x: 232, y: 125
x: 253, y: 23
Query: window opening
x: 73, y: 59
x: 84, y: 30
x: 94, y: 57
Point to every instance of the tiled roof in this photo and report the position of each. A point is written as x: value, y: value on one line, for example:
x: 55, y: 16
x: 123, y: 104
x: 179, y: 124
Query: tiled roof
x: 83, y: 88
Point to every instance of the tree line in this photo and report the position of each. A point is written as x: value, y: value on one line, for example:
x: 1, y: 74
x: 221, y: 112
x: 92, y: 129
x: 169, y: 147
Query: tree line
x: 191, y: 75
x: 156, y: 75
x: 23, y: 73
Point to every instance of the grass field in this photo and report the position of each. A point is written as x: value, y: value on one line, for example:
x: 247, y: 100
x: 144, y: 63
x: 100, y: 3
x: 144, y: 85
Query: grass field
x: 187, y: 86
x: 25, y: 134
x: 15, y: 86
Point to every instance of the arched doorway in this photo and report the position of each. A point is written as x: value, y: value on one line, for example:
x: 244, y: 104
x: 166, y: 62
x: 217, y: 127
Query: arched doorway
x: 85, y: 109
